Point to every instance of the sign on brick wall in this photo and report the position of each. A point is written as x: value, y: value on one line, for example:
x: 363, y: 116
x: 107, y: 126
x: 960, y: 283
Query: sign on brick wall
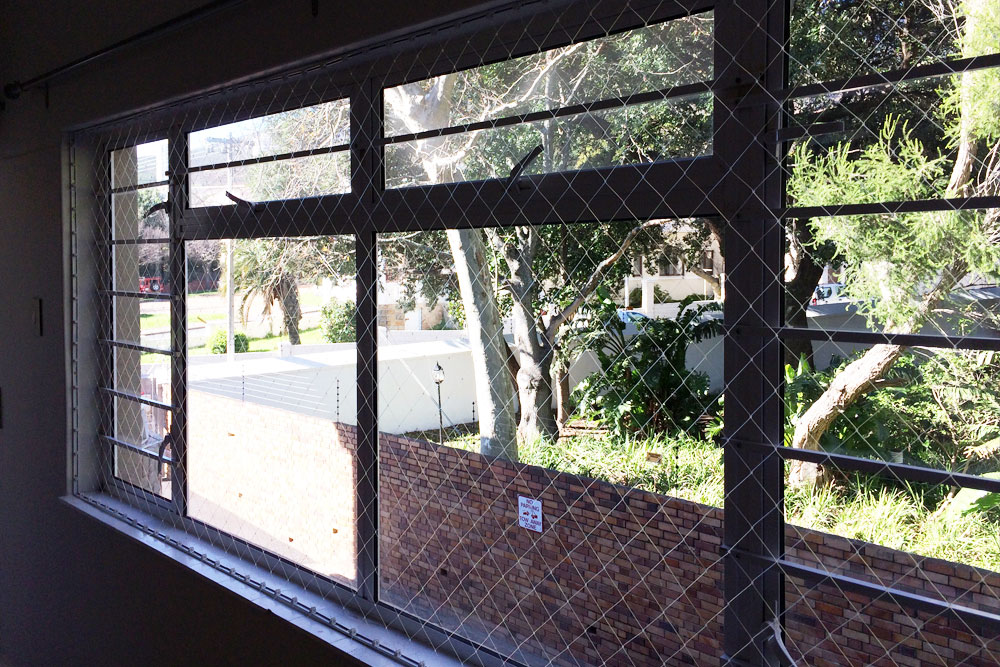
x: 529, y: 513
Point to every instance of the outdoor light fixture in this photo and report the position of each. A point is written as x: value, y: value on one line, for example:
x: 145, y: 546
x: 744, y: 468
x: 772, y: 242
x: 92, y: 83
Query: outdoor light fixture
x: 437, y: 374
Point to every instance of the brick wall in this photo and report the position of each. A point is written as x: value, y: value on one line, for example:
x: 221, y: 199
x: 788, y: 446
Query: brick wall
x: 617, y: 576
x: 626, y: 577
x: 279, y: 479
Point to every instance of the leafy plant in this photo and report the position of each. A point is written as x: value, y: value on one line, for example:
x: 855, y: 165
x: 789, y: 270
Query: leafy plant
x: 337, y: 320
x: 941, y: 408
x: 644, y: 386
x: 217, y: 342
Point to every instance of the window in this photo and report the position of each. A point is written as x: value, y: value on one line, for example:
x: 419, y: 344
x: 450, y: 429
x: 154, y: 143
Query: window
x: 287, y: 155
x: 140, y: 409
x: 638, y: 96
x: 670, y: 266
x: 708, y: 261
x: 379, y: 327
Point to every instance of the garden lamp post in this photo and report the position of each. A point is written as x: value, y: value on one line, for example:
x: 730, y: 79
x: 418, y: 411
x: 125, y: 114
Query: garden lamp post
x: 437, y: 374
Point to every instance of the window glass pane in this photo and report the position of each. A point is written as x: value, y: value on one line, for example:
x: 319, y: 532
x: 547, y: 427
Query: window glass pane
x: 142, y: 267
x: 931, y: 407
x: 899, y: 142
x: 835, y: 40
x: 145, y: 427
x: 129, y: 211
x: 490, y: 477
x: 284, y: 179
x: 928, y: 273
x: 271, y: 429
x: 138, y: 165
x: 641, y: 133
x: 652, y: 58
x: 320, y: 126
x: 145, y: 321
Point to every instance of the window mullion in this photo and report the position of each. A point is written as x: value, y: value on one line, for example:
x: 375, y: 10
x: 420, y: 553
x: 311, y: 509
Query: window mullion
x: 177, y: 162
x: 368, y: 184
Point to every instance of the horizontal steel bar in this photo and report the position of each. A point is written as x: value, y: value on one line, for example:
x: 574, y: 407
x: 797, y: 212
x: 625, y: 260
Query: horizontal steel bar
x: 137, y: 449
x: 875, y: 338
x: 674, y: 92
x: 135, y: 346
x: 139, y: 399
x: 141, y: 186
x: 946, y: 67
x: 975, y: 618
x: 138, y: 241
x: 326, y: 150
x: 890, y: 207
x: 814, y: 130
x: 158, y: 296
x: 902, y: 472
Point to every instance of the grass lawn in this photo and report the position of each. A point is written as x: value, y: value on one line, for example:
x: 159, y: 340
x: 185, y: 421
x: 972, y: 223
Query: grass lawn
x: 150, y: 321
x: 312, y: 336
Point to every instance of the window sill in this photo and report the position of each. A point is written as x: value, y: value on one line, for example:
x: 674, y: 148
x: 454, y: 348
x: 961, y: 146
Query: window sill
x: 370, y: 643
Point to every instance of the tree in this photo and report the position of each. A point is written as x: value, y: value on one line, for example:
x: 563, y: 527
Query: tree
x: 905, y: 268
x: 267, y: 268
x: 556, y: 78
x: 272, y: 269
x: 834, y: 39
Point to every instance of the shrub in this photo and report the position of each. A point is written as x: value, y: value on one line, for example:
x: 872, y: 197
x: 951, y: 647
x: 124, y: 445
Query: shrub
x: 337, y: 319
x: 217, y: 342
x: 940, y: 408
x: 644, y: 386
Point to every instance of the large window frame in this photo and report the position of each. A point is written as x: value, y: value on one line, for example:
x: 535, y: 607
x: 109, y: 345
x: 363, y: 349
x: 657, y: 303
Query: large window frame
x: 740, y: 181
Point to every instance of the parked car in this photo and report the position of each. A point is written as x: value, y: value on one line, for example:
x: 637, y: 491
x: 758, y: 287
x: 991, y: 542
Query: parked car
x: 828, y: 293
x: 631, y: 316
x: 152, y: 285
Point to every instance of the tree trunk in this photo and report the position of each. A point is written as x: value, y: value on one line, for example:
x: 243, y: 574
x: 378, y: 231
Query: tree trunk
x: 799, y: 289
x: 494, y: 394
x: 534, y: 351
x: 288, y: 296
x: 849, y: 384
x: 710, y: 278
x: 563, y: 392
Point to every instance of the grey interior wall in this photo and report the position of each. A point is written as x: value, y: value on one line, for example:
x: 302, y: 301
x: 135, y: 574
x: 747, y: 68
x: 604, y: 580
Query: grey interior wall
x: 73, y: 592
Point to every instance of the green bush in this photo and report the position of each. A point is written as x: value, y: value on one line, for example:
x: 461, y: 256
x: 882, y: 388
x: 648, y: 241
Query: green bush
x: 643, y: 386
x: 337, y: 319
x: 217, y: 342
x: 941, y: 409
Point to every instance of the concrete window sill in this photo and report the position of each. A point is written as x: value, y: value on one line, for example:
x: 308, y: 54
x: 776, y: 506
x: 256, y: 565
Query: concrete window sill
x: 372, y: 643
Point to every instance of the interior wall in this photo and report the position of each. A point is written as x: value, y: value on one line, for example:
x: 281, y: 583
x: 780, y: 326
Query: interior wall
x: 73, y: 592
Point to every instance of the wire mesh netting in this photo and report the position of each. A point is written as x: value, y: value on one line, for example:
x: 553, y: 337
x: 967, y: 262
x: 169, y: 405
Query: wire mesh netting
x: 573, y: 333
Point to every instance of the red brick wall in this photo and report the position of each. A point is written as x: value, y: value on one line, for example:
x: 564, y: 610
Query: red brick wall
x: 618, y: 576
x: 625, y: 577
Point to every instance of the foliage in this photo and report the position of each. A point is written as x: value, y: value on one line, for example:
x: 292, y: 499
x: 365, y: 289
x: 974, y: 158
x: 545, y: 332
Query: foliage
x: 272, y: 269
x: 338, y: 321
x: 941, y: 408
x: 455, y: 312
x: 909, y: 518
x: 674, y: 464
x: 643, y: 385
x: 978, y: 105
x: 217, y: 342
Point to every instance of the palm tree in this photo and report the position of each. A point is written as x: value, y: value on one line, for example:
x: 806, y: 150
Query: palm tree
x: 270, y: 269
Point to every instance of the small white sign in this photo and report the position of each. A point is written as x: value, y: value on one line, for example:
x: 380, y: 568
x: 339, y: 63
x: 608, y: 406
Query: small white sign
x: 529, y: 513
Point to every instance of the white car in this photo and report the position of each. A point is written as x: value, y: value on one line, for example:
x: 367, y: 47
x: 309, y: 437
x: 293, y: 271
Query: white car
x: 828, y: 293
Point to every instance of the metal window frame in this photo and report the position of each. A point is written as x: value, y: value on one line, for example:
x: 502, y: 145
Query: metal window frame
x: 742, y: 181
